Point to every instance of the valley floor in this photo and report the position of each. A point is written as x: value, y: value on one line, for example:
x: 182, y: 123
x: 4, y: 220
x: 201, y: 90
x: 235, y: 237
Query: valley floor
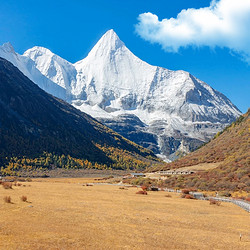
x: 64, y: 214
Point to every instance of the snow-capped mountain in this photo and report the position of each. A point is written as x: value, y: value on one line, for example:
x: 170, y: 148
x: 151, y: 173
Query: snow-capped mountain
x: 28, y: 68
x: 58, y: 70
x: 164, y: 110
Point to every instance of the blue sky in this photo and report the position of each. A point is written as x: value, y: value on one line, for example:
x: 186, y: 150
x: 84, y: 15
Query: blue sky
x: 71, y: 28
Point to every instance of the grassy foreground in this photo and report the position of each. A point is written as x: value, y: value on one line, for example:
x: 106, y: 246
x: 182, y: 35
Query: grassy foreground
x: 64, y: 214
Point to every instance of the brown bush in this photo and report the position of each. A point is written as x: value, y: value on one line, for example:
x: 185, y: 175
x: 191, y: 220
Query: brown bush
x: 19, y: 184
x: 144, y: 188
x: 23, y: 198
x: 89, y: 185
x: 225, y: 193
x: 185, y: 191
x: 142, y: 192
x: 7, y: 185
x: 168, y: 195
x: 21, y: 179
x: 241, y: 197
x: 188, y: 196
x: 247, y: 199
x: 10, y: 178
x: 7, y: 199
x: 214, y: 202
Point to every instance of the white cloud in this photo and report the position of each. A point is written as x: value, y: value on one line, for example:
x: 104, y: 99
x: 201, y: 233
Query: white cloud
x: 225, y: 24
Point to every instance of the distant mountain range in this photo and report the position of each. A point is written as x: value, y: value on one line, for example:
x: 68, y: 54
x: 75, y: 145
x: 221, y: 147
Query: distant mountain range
x: 231, y: 149
x: 170, y: 112
x: 33, y: 122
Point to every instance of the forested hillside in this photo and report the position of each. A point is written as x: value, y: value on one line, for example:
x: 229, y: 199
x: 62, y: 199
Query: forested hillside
x: 231, y: 148
x: 34, y: 124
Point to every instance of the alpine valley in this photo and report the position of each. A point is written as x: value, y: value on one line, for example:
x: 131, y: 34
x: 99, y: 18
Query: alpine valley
x: 169, y: 112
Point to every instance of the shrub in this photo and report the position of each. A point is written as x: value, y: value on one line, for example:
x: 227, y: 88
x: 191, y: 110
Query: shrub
x: 188, y: 196
x: 23, y: 198
x: 21, y: 179
x: 214, y: 202
x: 185, y: 191
x: 89, y: 185
x: 7, y: 185
x: 168, y: 195
x: 241, y: 197
x: 7, y: 199
x: 142, y: 192
x: 225, y: 193
x: 143, y: 182
x: 144, y: 188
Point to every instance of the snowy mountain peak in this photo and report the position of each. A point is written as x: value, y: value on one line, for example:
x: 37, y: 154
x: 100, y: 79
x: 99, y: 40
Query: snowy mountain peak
x: 52, y: 66
x: 37, y: 51
x: 109, y: 40
x: 7, y: 47
x: 107, y: 45
x: 29, y: 68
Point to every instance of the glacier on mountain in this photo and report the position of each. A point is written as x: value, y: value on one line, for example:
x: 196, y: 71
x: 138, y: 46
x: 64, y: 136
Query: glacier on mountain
x: 167, y: 111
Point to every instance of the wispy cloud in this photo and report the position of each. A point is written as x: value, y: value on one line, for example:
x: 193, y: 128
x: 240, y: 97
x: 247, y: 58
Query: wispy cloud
x: 225, y: 24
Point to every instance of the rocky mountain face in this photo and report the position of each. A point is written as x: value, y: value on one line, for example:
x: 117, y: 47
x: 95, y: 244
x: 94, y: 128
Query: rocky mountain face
x: 230, y: 149
x: 33, y: 121
x: 170, y: 112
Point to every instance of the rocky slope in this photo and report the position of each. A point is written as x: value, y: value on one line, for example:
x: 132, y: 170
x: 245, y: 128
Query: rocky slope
x: 231, y: 149
x: 33, y: 122
x: 172, y: 110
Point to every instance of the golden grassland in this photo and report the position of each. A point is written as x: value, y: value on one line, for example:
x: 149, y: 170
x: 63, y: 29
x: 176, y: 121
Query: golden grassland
x: 64, y: 214
x: 200, y: 167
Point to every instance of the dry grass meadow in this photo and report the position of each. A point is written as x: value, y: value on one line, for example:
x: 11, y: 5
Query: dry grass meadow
x: 64, y: 214
x: 200, y: 167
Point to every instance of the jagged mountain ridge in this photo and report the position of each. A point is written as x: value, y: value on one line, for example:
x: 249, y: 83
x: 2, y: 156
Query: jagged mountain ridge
x: 33, y: 121
x: 177, y: 110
